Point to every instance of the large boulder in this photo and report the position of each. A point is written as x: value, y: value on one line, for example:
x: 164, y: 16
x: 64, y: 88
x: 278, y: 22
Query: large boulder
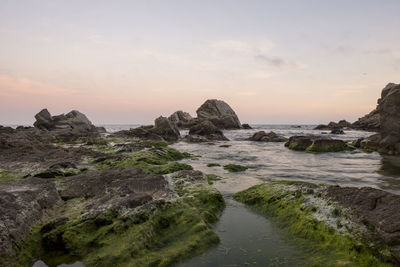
x: 72, y: 120
x: 389, y: 113
x: 262, y: 136
x: 180, y: 118
x: 219, y: 113
x: 208, y: 130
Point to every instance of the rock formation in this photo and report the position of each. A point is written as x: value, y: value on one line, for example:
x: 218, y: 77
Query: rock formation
x: 316, y: 144
x: 206, y: 129
x: 181, y: 119
x: 219, y: 113
x: 267, y: 137
x: 72, y: 120
x: 370, y: 122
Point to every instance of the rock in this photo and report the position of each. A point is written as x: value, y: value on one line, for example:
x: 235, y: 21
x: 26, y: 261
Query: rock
x: 219, y: 113
x: 316, y: 144
x: 22, y: 204
x: 166, y: 129
x: 208, y: 130
x: 267, y: 137
x: 246, y: 126
x: 180, y: 118
x: 72, y: 120
x: 195, y: 138
x: 114, y: 188
x: 370, y: 122
x: 334, y: 125
x: 163, y: 130
x: 322, y: 127
x: 337, y: 131
x: 377, y: 209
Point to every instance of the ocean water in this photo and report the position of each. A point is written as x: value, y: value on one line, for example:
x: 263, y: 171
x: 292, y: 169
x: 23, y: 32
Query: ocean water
x: 273, y: 161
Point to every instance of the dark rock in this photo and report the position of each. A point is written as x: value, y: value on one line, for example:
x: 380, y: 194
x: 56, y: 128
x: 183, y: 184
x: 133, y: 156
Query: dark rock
x: 22, y: 204
x: 370, y: 122
x: 377, y: 209
x: 316, y: 144
x: 322, y: 127
x: 334, y: 125
x: 219, y: 113
x: 195, y: 139
x: 337, y: 131
x: 166, y: 129
x: 246, y: 126
x: 267, y: 137
x: 181, y: 119
x: 208, y: 130
x: 72, y: 120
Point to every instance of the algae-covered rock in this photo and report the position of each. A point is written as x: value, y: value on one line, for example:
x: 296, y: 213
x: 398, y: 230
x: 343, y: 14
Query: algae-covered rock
x: 262, y: 136
x: 316, y: 144
x: 235, y: 168
x: 341, y: 226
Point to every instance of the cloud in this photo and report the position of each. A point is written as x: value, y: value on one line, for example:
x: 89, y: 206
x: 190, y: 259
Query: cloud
x: 276, y: 62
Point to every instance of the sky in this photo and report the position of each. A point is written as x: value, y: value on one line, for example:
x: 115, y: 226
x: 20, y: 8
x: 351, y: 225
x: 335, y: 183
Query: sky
x: 128, y: 62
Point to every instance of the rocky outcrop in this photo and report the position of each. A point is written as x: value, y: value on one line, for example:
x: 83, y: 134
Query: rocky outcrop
x: 22, y: 204
x: 262, y: 136
x: 334, y: 125
x: 219, y: 113
x: 388, y: 139
x: 181, y: 119
x: 377, y: 209
x: 206, y: 129
x: 163, y: 130
x: 246, y: 126
x: 316, y: 144
x: 337, y: 131
x: 370, y: 122
x: 72, y: 120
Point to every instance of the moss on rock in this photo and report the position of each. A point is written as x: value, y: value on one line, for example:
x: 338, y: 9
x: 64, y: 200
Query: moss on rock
x: 235, y: 168
x: 298, y: 209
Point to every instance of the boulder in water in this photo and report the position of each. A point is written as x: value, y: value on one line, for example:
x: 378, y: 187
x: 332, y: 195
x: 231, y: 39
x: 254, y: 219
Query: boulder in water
x: 267, y: 137
x: 219, y: 113
x: 208, y: 130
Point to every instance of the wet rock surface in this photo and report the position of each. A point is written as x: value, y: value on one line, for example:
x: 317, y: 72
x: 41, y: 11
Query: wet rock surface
x: 23, y: 204
x: 262, y: 136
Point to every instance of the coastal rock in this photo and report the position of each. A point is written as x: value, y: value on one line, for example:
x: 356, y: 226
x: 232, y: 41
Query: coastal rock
x: 375, y: 208
x: 334, y: 125
x: 262, y: 136
x: 72, y: 120
x: 316, y: 144
x: 337, y: 131
x: 163, y: 130
x: 208, y: 130
x: 22, y: 204
x: 370, y: 122
x: 219, y: 113
x: 166, y: 129
x: 246, y: 126
x: 180, y: 118
x: 114, y: 188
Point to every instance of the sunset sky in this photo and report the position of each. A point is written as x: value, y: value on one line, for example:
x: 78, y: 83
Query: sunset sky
x: 309, y: 61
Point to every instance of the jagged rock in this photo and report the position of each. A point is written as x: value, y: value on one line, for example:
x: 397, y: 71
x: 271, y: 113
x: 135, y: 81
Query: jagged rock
x: 72, y: 120
x: 22, y: 204
x: 166, y: 129
x: 267, y: 137
x: 316, y: 144
x: 163, y: 130
x: 246, y: 126
x: 370, y: 122
x: 337, y: 131
x: 219, y: 113
x: 181, y: 119
x: 334, y: 125
x: 208, y: 130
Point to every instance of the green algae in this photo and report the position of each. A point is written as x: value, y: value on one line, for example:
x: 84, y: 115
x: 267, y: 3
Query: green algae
x: 7, y: 176
x: 213, y: 165
x: 159, y: 160
x: 327, y: 247
x: 235, y: 168
x: 175, y: 230
x: 211, y: 178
